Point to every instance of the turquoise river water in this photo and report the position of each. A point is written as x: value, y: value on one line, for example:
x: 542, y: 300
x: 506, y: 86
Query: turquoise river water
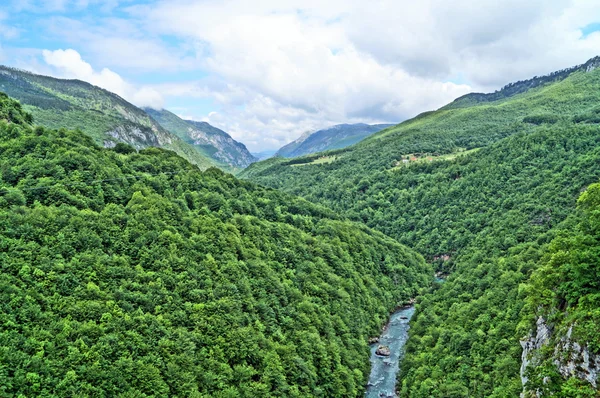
x: 382, y: 381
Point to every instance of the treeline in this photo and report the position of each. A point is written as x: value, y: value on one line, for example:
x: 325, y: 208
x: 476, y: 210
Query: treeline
x: 126, y: 273
x: 100, y: 114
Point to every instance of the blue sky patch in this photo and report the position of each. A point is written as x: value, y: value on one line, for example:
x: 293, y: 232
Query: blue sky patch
x: 589, y: 29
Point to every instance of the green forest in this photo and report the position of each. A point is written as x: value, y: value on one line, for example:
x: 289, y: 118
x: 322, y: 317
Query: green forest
x: 564, y: 291
x: 130, y: 272
x: 135, y: 274
x: 482, y: 188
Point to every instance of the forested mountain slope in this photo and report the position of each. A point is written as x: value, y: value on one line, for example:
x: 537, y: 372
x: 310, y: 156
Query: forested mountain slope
x: 104, y: 116
x: 450, y: 130
x: 126, y: 273
x: 479, y: 190
x: 335, y: 137
x: 207, y: 139
x: 562, y: 351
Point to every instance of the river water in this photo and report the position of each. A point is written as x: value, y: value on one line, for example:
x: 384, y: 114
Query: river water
x: 382, y: 381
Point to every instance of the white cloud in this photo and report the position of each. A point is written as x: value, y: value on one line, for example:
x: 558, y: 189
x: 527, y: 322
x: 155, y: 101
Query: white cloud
x: 121, y: 43
x: 277, y: 68
x: 296, y: 65
x: 69, y: 64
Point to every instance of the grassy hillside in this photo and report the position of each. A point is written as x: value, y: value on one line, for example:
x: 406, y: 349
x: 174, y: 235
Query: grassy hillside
x: 486, y: 216
x: 126, y: 273
x: 206, y: 139
x: 102, y: 115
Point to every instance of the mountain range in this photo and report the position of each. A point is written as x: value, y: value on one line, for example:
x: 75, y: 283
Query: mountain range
x: 335, y: 137
x: 109, y: 119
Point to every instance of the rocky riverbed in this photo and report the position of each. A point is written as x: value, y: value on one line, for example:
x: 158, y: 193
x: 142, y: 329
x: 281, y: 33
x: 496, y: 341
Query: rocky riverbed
x: 384, y: 368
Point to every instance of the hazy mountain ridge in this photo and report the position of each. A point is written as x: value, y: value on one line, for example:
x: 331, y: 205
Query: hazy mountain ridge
x: 101, y: 114
x: 262, y: 155
x: 207, y: 139
x: 335, y: 137
x: 287, y: 149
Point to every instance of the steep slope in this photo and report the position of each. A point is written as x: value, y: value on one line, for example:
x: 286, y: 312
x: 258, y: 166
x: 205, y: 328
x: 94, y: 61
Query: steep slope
x: 479, y: 190
x: 127, y: 273
x: 102, y: 115
x: 336, y: 137
x: 208, y: 140
x: 523, y: 86
x: 561, y: 355
x: 456, y: 127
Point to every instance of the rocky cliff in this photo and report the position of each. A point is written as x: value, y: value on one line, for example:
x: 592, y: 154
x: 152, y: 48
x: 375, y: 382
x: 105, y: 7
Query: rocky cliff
x: 548, y: 353
x: 228, y: 150
x: 206, y: 139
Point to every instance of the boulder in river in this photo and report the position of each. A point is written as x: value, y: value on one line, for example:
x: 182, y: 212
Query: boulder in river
x: 383, y: 350
x: 373, y: 340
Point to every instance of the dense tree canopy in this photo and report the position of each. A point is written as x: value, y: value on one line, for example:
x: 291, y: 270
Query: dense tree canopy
x: 480, y: 191
x: 134, y: 274
x: 565, y: 292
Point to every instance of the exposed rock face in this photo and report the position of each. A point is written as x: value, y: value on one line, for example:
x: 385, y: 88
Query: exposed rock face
x: 228, y: 150
x: 531, y: 345
x: 571, y: 358
x: 75, y: 104
x: 206, y: 139
x: 592, y: 64
x: 134, y: 136
x: 579, y: 361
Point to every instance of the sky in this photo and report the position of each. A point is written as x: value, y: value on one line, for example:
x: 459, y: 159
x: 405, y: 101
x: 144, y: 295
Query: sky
x: 267, y: 71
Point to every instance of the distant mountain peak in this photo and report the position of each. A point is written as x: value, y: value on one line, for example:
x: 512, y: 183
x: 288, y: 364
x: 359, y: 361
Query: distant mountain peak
x: 205, y: 138
x: 334, y: 137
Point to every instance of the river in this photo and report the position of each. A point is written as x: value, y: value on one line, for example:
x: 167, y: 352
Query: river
x: 384, y: 370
